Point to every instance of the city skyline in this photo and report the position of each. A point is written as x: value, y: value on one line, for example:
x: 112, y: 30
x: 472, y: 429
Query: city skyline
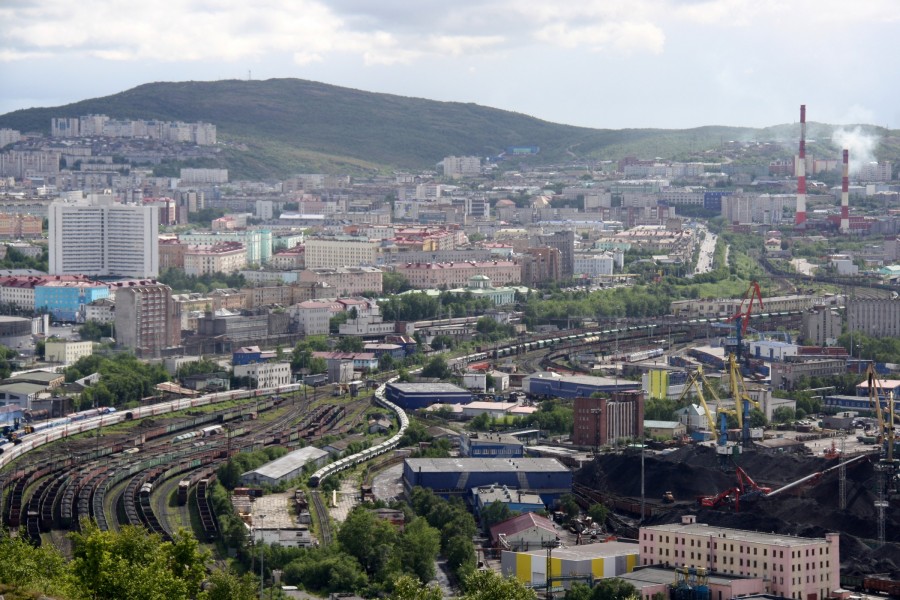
x: 610, y: 64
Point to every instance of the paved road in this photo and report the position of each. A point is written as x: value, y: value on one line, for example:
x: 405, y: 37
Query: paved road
x: 707, y: 249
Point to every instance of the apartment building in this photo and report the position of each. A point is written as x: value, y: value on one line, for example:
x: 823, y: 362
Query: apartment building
x: 791, y: 567
x: 29, y: 163
x: 99, y: 238
x: 541, y: 265
x: 461, y: 166
x: 593, y: 265
x: 225, y: 257
x: 17, y: 226
x: 290, y: 259
x: 67, y: 351
x: 564, y: 241
x: 875, y: 317
x: 144, y: 317
x: 770, y: 209
x: 602, y: 421
x: 345, y: 251
x: 257, y: 242
x: 346, y: 281
x: 453, y: 274
x: 9, y: 136
x: 313, y: 317
x: 171, y: 255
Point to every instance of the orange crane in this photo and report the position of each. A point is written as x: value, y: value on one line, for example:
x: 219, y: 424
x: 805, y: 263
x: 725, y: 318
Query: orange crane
x: 742, y: 317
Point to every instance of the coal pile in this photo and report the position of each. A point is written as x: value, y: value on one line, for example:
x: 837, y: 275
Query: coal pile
x: 809, y: 510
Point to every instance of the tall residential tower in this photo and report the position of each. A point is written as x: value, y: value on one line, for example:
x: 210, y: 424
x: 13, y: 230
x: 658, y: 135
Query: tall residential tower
x: 98, y: 237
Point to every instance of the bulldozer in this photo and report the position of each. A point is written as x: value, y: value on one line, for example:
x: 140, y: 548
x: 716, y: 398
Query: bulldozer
x: 668, y: 498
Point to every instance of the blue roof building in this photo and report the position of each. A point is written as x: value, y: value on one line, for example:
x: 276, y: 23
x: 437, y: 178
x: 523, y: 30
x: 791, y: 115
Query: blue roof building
x: 63, y: 299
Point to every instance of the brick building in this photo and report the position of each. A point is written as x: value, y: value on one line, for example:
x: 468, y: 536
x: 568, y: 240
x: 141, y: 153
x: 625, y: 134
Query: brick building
x: 602, y: 421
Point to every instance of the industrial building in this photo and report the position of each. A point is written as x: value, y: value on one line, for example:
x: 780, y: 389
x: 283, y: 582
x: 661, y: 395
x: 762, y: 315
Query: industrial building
x: 547, y: 383
x: 649, y: 581
x: 285, y: 468
x: 792, y: 567
x: 420, y: 395
x: 576, y: 563
x: 490, y: 445
x: 457, y: 476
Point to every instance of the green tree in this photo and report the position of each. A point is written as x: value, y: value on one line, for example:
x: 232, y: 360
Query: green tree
x: 496, y: 512
x: 368, y: 539
x: 26, y: 568
x: 349, y: 343
x: 487, y: 585
x: 132, y: 564
x: 225, y: 585
x: 614, y: 589
x: 409, y: 588
x: 418, y: 548
x: 394, y: 283
x: 598, y: 512
x: 783, y: 414
x: 437, y: 368
x: 95, y: 330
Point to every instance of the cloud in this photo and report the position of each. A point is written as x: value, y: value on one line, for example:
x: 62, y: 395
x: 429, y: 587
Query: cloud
x: 382, y: 33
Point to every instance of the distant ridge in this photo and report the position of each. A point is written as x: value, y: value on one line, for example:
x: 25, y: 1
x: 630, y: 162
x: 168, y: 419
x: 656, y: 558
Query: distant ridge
x: 286, y: 126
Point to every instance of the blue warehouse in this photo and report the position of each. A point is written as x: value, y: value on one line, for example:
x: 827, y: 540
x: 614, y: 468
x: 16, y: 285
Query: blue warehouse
x: 546, y: 477
x: 420, y: 395
x: 574, y: 386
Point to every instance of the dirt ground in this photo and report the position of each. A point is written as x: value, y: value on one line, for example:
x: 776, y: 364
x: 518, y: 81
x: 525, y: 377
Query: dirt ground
x: 809, y: 510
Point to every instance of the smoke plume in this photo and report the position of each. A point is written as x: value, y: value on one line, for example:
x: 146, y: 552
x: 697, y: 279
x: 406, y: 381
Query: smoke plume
x: 861, y: 145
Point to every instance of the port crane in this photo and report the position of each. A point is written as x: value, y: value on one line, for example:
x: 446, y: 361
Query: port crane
x: 742, y: 400
x: 697, y: 382
x: 741, y: 319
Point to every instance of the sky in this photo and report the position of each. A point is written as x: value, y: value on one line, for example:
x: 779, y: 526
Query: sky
x: 595, y: 63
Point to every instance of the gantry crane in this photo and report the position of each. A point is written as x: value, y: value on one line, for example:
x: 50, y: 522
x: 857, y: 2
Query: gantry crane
x: 698, y: 382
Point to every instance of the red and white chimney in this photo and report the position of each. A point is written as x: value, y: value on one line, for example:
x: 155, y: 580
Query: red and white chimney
x: 800, y: 172
x: 845, y: 194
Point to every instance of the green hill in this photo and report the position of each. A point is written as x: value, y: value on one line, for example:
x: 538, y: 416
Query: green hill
x: 284, y: 126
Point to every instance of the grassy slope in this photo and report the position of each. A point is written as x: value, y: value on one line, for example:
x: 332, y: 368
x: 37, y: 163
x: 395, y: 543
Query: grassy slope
x: 290, y: 125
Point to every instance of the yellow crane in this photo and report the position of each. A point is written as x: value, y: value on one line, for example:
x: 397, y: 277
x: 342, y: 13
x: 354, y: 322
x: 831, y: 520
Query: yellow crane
x: 697, y: 381
x: 742, y: 400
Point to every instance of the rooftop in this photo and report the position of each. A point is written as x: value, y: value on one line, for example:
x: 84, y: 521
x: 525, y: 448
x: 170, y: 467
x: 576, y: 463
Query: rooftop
x: 734, y: 534
x: 485, y: 465
x: 659, y: 575
x: 428, y: 388
x: 589, y: 551
x: 289, y: 462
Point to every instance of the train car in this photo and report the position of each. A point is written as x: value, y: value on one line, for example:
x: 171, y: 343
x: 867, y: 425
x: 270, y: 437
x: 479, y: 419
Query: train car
x: 183, y: 487
x: 212, y: 430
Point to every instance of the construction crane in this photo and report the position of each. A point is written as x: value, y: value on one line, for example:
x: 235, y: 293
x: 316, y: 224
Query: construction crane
x: 697, y: 381
x: 742, y: 317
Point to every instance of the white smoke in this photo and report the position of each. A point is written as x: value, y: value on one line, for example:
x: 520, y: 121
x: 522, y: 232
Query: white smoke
x: 860, y: 144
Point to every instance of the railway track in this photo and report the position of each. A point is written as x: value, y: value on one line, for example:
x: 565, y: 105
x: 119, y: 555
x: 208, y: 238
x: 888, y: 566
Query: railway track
x: 106, y: 483
x: 323, y: 520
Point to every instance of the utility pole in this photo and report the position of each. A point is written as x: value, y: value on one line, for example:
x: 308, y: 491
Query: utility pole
x: 262, y: 557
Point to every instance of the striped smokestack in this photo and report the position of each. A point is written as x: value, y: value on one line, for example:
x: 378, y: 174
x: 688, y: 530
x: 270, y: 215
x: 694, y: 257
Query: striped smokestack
x: 800, y: 171
x: 845, y: 194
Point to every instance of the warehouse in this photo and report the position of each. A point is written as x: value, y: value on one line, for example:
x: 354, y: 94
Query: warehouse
x: 578, y: 563
x: 285, y: 468
x: 573, y: 386
x: 420, y: 395
x: 457, y: 476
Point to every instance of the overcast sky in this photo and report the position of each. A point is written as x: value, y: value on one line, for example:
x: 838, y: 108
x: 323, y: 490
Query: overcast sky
x: 596, y: 63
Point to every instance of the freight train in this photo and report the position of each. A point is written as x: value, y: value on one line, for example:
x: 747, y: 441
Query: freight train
x: 105, y: 416
x: 369, y: 453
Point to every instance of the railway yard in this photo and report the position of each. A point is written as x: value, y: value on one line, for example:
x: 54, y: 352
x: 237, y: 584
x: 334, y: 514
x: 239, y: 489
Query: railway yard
x: 155, y: 472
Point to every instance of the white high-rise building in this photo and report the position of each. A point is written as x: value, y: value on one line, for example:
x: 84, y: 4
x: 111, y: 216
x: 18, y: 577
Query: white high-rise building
x: 100, y: 238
